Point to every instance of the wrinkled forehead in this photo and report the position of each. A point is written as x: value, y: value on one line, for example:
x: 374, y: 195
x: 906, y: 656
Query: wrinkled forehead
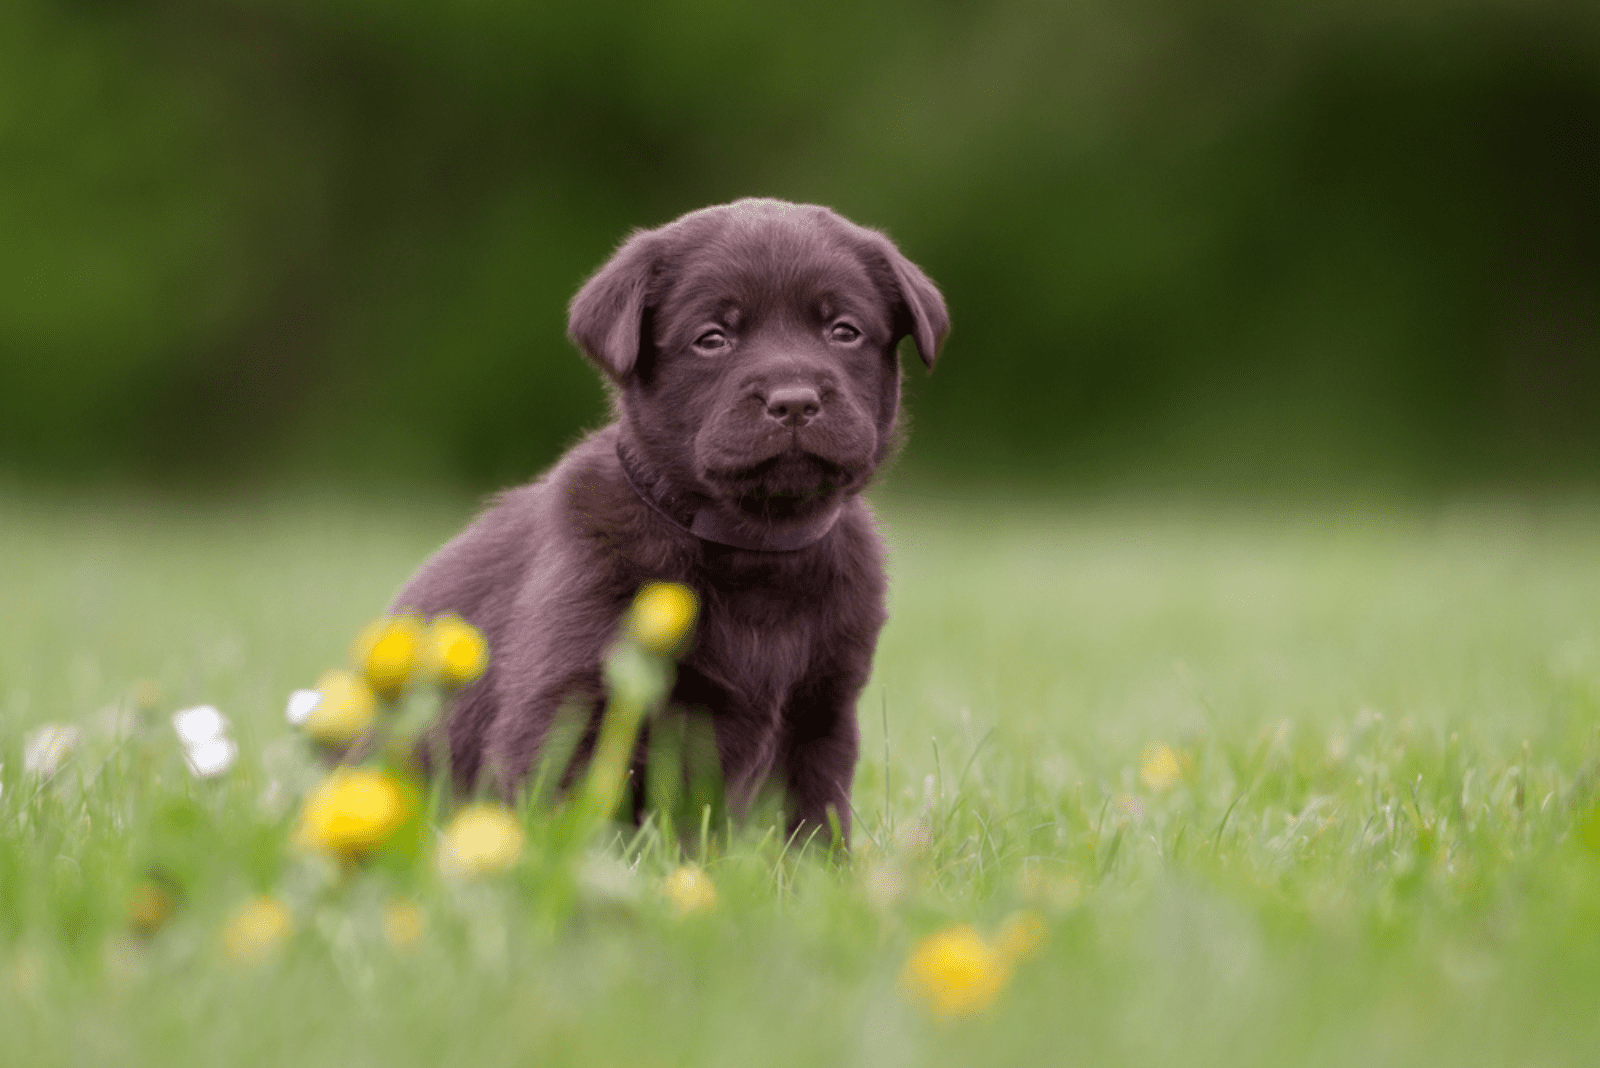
x: 764, y: 271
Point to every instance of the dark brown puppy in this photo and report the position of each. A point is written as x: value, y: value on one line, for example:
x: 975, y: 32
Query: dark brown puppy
x: 751, y: 353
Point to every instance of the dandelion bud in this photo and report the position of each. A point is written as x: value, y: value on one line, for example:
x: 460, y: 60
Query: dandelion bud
x: 344, y: 710
x: 150, y: 907
x: 691, y: 890
x: 353, y: 812
x: 257, y: 928
x: 386, y: 652
x: 456, y: 653
x: 481, y: 840
x: 1160, y: 767
x: 404, y: 923
x: 956, y: 972
x: 661, y: 616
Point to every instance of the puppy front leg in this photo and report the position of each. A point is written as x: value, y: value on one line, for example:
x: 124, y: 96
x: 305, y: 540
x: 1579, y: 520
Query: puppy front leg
x: 819, y: 765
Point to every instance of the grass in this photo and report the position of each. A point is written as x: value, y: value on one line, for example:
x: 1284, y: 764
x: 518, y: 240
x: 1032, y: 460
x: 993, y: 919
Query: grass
x: 1377, y: 853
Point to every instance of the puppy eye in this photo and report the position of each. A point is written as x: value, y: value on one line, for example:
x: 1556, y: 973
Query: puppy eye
x: 711, y: 341
x: 844, y: 333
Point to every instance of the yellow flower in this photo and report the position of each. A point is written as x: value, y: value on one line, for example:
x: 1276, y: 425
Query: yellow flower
x: 386, y: 651
x: 257, y: 928
x: 150, y: 907
x: 956, y: 972
x: 481, y: 840
x: 1022, y: 936
x: 353, y: 811
x: 344, y: 710
x: 691, y: 890
x: 1160, y: 767
x: 456, y: 653
x: 662, y: 616
x: 146, y: 693
x: 403, y: 923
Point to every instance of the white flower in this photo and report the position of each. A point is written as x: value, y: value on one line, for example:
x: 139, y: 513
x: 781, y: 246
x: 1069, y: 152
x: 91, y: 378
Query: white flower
x: 207, y: 749
x: 211, y: 757
x: 301, y: 702
x: 199, y: 725
x: 47, y: 748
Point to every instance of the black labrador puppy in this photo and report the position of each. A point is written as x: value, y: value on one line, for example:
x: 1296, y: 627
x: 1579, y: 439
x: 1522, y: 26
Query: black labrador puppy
x: 751, y: 356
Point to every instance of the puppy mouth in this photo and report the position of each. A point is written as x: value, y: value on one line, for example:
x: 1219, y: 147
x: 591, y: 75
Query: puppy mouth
x: 789, y: 485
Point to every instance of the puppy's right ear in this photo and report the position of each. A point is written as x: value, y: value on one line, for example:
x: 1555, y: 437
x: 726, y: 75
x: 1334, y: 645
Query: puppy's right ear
x: 605, y: 318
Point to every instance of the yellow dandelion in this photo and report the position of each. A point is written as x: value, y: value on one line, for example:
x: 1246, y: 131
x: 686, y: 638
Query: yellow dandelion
x: 257, y: 928
x: 353, y: 811
x: 662, y: 616
x: 481, y: 840
x: 344, y: 709
x: 1022, y: 936
x: 1160, y: 767
x: 150, y: 907
x: 455, y: 653
x: 386, y: 651
x: 146, y: 693
x: 403, y: 923
x: 691, y: 890
x: 956, y: 972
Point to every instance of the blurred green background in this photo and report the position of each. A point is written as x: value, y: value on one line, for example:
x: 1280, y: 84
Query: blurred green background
x: 1333, y: 243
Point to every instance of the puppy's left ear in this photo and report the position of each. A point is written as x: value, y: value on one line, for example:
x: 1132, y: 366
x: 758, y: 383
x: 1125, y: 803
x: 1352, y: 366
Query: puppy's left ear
x: 605, y: 318
x: 922, y: 313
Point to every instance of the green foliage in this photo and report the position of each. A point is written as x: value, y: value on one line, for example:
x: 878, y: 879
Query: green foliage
x: 1282, y: 241
x: 1379, y: 847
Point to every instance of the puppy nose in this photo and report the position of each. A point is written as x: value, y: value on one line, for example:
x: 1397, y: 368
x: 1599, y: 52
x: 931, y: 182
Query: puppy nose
x: 793, y: 405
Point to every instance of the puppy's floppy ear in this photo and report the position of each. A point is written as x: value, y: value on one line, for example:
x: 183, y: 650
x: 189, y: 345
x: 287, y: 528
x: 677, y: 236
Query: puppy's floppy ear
x: 922, y: 313
x: 605, y: 317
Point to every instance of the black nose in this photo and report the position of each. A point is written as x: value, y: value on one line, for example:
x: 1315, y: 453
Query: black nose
x: 793, y: 405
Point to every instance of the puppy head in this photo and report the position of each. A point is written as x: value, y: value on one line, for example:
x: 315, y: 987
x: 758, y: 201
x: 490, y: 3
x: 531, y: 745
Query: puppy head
x: 752, y: 351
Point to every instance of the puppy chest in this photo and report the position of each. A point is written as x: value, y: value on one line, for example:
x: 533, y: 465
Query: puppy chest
x: 757, y: 665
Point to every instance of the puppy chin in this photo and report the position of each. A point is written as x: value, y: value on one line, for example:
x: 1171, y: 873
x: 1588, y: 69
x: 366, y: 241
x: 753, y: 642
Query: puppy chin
x: 792, y: 485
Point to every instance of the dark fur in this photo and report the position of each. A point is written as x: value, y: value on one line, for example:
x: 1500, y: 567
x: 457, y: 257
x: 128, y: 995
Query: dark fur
x: 785, y: 640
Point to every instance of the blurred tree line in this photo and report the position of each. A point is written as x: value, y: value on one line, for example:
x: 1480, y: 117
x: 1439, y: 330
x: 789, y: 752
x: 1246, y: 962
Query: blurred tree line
x: 1334, y: 239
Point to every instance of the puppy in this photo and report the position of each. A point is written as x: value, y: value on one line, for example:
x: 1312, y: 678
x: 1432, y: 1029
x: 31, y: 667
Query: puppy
x: 750, y: 351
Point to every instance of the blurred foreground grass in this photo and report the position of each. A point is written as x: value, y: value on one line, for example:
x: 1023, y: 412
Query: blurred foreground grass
x: 1306, y: 788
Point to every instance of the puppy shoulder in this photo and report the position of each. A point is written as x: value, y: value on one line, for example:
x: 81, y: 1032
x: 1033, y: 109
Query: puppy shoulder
x: 592, y: 531
x: 614, y: 536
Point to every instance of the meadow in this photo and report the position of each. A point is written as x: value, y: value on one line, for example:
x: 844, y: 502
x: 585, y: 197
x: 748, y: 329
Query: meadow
x: 1307, y: 785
